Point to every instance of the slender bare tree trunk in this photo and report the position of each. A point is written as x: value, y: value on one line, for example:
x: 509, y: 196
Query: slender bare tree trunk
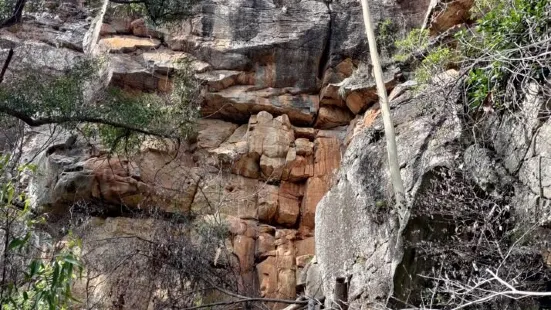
x: 392, y: 151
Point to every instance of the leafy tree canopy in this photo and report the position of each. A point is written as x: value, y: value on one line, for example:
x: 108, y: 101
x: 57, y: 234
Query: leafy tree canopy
x: 118, y: 117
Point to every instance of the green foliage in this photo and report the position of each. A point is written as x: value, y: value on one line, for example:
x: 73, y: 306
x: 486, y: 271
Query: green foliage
x: 120, y: 119
x: 416, y: 40
x: 155, y: 12
x: 435, y: 59
x: 132, y: 10
x: 46, y: 281
x: 167, y: 11
x: 387, y: 32
x: 435, y: 62
x: 506, y: 46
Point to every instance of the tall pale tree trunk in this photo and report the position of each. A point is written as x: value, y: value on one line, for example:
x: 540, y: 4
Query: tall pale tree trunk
x: 390, y: 136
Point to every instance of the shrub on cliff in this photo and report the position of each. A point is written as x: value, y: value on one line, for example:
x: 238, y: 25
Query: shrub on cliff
x: 34, y: 274
x: 506, y: 50
x: 121, y: 119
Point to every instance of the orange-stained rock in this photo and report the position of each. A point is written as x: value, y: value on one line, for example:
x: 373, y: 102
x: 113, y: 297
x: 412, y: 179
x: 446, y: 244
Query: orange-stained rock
x: 236, y: 226
x: 107, y: 29
x: 165, y: 84
x: 346, y: 67
x: 266, y: 229
x: 305, y: 247
x: 299, y: 168
x: 268, y: 198
x: 267, y: 276
x: 139, y: 28
x: 358, y: 101
x: 265, y: 244
x: 291, y: 189
x: 331, y: 117
x: 360, y: 91
x: 227, y: 194
x: 353, y: 128
x: 127, y: 44
x: 270, y: 136
x: 329, y: 96
x: 117, y: 181
x: 286, y: 265
x: 454, y: 13
x: 244, y: 248
x: 370, y: 117
x: 327, y: 158
x: 247, y: 166
x: 286, y: 286
x: 285, y: 254
x: 237, y: 103
x: 288, y: 211
x: 121, y: 25
x: 316, y: 187
x: 284, y: 235
x: 172, y: 178
x: 305, y: 132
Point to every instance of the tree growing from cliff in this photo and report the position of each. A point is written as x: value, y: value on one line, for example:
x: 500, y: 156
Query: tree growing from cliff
x: 118, y: 117
x: 32, y: 276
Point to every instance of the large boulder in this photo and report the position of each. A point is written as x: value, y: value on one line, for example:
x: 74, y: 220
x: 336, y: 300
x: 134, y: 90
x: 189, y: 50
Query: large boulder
x: 358, y: 233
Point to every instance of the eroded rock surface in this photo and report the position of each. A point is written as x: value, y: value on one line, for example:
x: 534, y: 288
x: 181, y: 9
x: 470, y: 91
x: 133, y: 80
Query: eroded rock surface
x: 357, y: 235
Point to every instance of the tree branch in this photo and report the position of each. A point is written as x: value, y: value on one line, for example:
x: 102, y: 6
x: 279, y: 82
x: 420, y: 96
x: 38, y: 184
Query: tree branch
x: 6, y: 65
x: 86, y: 119
x: 248, y: 299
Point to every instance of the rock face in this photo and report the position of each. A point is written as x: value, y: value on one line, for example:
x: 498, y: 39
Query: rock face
x: 285, y: 90
x: 269, y: 203
x: 357, y: 235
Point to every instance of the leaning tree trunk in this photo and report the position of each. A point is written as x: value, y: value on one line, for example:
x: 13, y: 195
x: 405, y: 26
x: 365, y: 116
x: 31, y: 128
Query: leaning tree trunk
x: 393, y: 163
x: 16, y: 16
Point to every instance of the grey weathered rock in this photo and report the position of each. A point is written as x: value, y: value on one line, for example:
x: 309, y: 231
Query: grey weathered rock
x: 288, y: 43
x: 357, y: 232
x: 482, y: 166
x: 511, y: 134
x: 313, y: 282
x: 284, y: 40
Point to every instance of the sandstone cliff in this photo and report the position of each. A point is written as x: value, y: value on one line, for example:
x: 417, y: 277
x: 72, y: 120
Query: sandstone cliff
x: 288, y: 153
